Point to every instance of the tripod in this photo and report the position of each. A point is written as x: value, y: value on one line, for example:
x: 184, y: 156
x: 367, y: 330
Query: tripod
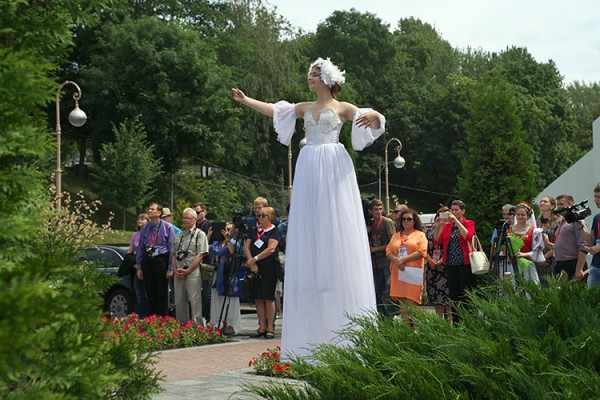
x: 231, y: 283
x: 502, y: 252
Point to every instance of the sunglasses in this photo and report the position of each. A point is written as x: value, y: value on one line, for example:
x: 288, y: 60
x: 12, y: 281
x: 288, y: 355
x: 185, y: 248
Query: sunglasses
x: 396, y: 211
x: 407, y: 219
x: 262, y: 215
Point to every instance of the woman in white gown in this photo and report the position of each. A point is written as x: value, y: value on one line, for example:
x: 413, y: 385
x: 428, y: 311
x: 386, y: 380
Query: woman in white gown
x: 328, y: 262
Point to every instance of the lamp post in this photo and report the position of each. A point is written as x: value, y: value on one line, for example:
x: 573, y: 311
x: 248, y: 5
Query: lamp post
x: 399, y: 162
x: 301, y: 145
x: 289, y: 173
x: 77, y: 118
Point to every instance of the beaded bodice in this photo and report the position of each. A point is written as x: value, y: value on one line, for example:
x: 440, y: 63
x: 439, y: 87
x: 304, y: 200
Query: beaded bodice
x: 323, y: 131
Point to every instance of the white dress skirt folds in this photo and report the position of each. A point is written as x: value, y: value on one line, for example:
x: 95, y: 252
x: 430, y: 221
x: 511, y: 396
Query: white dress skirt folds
x: 328, y: 274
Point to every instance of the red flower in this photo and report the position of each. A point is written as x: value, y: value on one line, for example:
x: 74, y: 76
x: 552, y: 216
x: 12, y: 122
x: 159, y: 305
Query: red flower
x: 278, y: 369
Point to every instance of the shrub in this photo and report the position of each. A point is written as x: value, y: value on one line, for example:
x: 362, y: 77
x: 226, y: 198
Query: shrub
x: 529, y: 343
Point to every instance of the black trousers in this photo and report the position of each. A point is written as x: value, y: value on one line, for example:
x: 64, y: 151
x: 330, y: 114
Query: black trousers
x: 460, y: 279
x: 154, y: 270
x: 568, y: 266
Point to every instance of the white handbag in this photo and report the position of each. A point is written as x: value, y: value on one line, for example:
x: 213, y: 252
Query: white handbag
x: 477, y: 258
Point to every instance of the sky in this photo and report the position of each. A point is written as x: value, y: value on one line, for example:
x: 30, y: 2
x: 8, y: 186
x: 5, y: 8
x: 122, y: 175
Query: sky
x: 565, y: 31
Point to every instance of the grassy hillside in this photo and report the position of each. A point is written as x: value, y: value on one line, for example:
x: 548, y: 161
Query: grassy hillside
x: 74, y: 185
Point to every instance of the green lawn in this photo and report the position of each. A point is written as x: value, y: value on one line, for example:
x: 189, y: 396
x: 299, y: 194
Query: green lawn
x: 116, y: 237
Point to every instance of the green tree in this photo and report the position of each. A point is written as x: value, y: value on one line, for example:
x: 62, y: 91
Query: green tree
x: 543, y: 109
x: 168, y: 75
x: 497, y: 166
x: 51, y: 332
x: 128, y: 167
x: 584, y: 102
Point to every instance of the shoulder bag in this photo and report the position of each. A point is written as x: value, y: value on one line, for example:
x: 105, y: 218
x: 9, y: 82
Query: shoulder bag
x: 477, y: 258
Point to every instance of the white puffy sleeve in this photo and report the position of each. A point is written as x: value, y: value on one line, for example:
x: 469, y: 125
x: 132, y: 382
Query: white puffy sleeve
x: 363, y: 137
x: 284, y: 121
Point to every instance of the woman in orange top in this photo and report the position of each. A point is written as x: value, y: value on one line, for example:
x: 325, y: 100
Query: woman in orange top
x: 406, y: 251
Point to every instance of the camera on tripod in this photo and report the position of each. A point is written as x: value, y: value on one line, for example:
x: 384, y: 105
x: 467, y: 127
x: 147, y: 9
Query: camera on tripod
x: 237, y: 220
x: 576, y: 212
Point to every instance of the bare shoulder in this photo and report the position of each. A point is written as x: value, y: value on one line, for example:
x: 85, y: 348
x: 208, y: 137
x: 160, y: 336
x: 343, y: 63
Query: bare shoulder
x: 302, y: 107
x: 347, y: 110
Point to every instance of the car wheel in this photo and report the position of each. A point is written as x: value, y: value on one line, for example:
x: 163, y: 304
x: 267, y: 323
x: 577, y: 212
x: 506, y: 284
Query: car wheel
x: 119, y: 303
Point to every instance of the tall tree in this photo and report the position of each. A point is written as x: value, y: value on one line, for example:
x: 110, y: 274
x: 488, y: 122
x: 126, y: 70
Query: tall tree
x: 497, y: 164
x: 51, y: 331
x: 128, y: 167
x: 543, y: 110
x: 584, y: 102
x: 168, y: 76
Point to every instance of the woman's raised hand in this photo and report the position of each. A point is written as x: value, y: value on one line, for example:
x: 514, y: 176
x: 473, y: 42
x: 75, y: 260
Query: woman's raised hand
x: 367, y: 119
x: 238, y: 95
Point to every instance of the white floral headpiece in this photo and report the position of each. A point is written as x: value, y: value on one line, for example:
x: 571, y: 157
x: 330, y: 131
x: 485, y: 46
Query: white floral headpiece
x: 330, y: 73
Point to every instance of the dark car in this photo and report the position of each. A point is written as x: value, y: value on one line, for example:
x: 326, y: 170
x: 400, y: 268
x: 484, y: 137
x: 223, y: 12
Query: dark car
x: 119, y: 299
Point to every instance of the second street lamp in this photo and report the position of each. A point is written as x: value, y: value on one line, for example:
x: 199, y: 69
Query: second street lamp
x: 77, y: 118
x: 399, y: 162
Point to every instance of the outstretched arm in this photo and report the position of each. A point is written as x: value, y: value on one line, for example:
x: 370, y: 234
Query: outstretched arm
x: 260, y: 106
x: 369, y: 119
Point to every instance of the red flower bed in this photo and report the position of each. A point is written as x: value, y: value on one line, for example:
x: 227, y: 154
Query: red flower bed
x: 269, y: 363
x: 155, y: 333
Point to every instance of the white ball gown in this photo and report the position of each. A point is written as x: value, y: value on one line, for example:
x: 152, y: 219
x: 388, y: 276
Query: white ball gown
x: 328, y: 261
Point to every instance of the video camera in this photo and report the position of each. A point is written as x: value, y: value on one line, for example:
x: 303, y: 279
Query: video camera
x: 237, y: 219
x: 576, y: 212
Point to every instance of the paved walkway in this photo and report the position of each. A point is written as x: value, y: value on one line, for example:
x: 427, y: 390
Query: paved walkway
x: 215, y: 372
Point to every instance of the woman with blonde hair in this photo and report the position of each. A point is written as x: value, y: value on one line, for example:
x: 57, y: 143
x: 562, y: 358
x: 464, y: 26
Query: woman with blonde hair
x: 260, y: 250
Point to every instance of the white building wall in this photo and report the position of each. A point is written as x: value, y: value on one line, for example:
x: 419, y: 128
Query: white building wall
x: 580, y: 180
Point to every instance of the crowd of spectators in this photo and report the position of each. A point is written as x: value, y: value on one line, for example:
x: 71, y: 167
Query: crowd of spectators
x: 411, y: 263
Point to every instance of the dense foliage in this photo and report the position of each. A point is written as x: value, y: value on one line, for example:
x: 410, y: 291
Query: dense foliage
x: 51, y: 330
x: 173, y: 64
x: 128, y: 167
x: 530, y: 343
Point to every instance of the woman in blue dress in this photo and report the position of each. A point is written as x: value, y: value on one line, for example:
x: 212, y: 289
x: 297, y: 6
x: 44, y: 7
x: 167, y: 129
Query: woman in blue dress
x: 328, y: 261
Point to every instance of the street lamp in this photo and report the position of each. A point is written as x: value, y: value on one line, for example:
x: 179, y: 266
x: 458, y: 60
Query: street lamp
x: 399, y: 162
x: 77, y: 118
x: 301, y: 145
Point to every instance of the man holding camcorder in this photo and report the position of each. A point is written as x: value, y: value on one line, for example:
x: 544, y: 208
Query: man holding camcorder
x: 593, y: 239
x: 570, y: 248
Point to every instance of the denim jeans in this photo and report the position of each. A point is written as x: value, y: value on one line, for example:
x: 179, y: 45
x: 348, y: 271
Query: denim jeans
x: 143, y: 308
x: 381, y: 277
x: 594, y: 276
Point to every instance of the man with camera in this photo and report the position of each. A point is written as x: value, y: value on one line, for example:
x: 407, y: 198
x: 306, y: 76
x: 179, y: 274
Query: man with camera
x: 153, y: 259
x: 188, y: 249
x: 593, y: 240
x: 570, y: 248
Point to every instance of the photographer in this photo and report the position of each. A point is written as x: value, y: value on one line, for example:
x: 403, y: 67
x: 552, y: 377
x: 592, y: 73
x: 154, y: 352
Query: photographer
x: 570, y: 249
x: 189, y: 247
x: 593, y: 240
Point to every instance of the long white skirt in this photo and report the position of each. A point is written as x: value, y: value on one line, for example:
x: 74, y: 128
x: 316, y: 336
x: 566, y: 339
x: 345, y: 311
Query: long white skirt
x: 328, y: 266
